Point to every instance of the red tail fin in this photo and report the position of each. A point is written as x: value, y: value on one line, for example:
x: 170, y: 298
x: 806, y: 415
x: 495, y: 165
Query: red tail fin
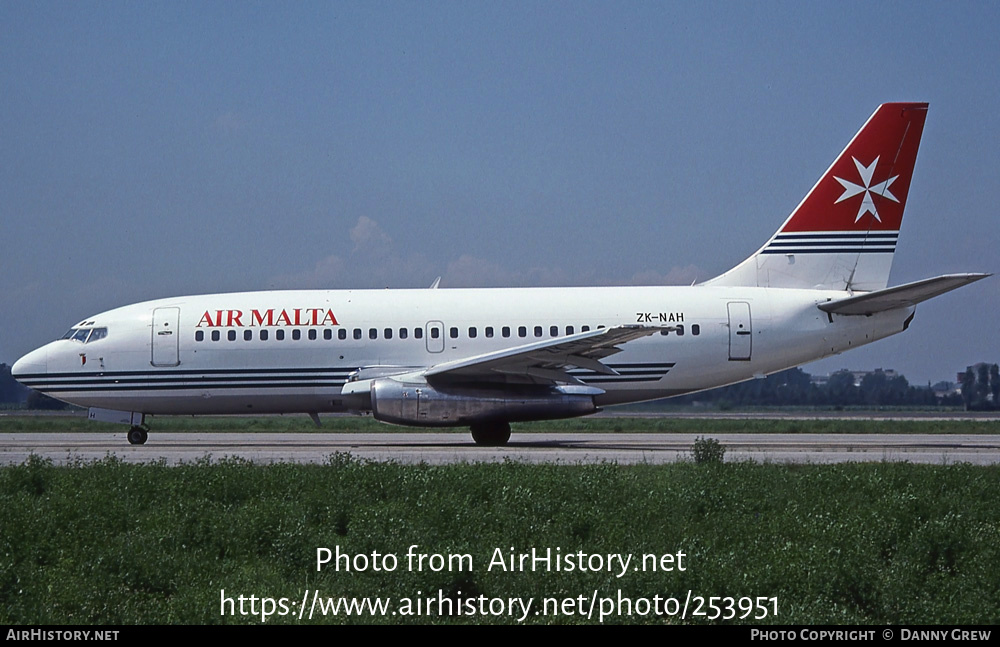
x: 843, y: 234
x: 866, y: 188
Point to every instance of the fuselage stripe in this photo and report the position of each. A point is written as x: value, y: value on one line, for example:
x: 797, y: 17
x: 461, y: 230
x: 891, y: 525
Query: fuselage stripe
x: 193, y: 372
x: 288, y: 378
x: 189, y: 387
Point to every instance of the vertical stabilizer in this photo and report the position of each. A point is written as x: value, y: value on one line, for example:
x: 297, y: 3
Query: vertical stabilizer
x: 842, y: 236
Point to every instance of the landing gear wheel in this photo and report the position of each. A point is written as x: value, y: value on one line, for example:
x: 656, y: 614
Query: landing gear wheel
x: 491, y: 434
x: 137, y: 436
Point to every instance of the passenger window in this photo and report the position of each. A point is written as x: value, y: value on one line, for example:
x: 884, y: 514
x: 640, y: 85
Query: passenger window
x: 263, y: 335
x: 279, y: 334
x: 342, y: 333
x: 538, y: 331
x: 357, y: 333
x: 553, y: 331
x: 231, y: 335
x: 584, y: 328
x: 247, y: 335
x: 199, y: 335
x: 418, y: 333
x: 680, y: 331
x: 388, y: 333
x: 403, y: 333
x: 327, y: 334
x: 505, y: 332
x: 489, y: 331
x: 454, y: 333
x: 695, y: 329
x: 215, y: 335
x: 472, y: 332
x: 372, y: 333
x: 435, y: 333
x: 296, y: 334
x: 522, y: 331
x: 569, y: 330
x: 312, y: 334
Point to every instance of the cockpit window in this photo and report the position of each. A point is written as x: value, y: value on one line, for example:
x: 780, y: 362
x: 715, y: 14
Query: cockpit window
x: 86, y: 335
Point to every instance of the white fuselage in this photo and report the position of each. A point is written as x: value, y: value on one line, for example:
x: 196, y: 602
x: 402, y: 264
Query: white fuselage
x: 293, y: 351
x: 488, y: 357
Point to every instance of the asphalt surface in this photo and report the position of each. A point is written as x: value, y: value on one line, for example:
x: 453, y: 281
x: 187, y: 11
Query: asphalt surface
x: 457, y: 447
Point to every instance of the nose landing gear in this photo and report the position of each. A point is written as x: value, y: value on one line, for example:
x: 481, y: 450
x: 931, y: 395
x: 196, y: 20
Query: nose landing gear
x: 138, y: 432
x: 138, y: 435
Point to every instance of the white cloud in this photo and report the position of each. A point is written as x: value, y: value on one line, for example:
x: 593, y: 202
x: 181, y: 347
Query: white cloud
x: 469, y: 271
x: 367, y: 236
x: 373, y: 262
x: 376, y: 262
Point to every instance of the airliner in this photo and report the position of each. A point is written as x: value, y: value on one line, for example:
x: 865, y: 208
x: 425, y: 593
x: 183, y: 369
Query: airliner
x: 484, y: 358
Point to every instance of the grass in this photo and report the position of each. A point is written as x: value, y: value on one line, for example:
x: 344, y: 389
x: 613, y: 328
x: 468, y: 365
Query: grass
x: 116, y: 543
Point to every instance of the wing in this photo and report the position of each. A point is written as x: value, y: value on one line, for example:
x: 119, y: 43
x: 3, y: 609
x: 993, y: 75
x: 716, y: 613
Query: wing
x: 901, y: 296
x: 543, y: 362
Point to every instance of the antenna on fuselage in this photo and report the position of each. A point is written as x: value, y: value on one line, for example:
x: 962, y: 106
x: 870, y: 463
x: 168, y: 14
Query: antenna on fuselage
x: 435, y: 284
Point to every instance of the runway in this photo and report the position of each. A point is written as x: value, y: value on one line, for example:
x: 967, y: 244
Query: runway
x: 457, y: 447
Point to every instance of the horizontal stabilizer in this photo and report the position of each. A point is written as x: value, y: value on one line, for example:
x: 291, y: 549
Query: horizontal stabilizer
x: 901, y: 296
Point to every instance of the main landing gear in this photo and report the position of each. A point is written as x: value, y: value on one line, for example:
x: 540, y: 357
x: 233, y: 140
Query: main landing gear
x: 491, y: 434
x: 138, y: 435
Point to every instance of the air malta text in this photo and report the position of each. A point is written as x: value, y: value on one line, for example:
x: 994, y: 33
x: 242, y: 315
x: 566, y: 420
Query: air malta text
x: 269, y: 317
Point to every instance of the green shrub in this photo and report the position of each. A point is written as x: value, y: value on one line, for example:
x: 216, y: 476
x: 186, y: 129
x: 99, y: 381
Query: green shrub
x: 708, y: 450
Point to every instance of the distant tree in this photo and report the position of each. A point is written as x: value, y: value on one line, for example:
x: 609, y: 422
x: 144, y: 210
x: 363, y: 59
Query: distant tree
x: 968, y: 388
x: 879, y: 389
x: 995, y: 385
x: 38, y: 400
x: 11, y: 391
x: 840, y: 389
x: 951, y: 400
x: 982, y: 383
x: 924, y: 396
x: 793, y: 387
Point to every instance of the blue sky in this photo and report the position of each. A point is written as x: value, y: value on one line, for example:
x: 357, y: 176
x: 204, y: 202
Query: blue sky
x: 152, y: 149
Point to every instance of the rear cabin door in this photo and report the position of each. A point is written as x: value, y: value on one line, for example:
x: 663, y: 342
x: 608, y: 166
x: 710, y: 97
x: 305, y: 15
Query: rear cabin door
x: 166, y: 336
x: 740, y: 332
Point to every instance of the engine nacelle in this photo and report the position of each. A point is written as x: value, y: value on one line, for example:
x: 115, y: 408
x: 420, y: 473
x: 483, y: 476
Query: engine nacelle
x: 423, y: 405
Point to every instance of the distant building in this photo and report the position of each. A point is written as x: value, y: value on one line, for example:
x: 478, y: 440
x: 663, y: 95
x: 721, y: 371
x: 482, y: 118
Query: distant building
x: 976, y: 368
x: 821, y: 380
x: 946, y: 388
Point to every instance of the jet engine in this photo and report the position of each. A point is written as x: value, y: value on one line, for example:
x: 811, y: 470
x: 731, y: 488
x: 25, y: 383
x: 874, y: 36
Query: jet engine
x: 424, y: 405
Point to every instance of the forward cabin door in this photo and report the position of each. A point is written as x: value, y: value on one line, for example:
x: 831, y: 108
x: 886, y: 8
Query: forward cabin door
x: 740, y: 332
x: 166, y: 336
x: 434, y: 336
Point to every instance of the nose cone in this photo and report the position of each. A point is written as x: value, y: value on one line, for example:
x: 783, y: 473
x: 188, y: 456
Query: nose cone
x: 34, y: 363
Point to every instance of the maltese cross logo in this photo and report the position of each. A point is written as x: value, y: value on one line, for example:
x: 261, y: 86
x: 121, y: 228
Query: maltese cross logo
x: 867, y: 203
